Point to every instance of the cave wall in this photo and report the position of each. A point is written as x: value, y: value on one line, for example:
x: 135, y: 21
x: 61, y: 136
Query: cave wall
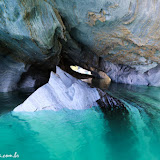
x: 123, y: 32
x: 29, y: 33
x: 120, y: 38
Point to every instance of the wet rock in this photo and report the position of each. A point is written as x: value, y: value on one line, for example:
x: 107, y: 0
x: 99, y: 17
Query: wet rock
x: 109, y: 103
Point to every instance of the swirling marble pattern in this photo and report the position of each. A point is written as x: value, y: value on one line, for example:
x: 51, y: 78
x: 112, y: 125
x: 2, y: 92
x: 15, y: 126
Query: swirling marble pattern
x: 123, y: 32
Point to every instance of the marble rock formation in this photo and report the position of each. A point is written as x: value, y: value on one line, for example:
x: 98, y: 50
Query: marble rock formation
x: 62, y: 91
x: 29, y: 35
x: 123, y: 35
x: 120, y: 38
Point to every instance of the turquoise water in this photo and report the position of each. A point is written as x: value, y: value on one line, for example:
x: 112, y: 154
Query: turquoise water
x: 84, y: 135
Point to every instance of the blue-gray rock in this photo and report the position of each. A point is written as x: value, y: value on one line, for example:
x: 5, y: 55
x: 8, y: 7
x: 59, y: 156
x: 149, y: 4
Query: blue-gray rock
x: 29, y: 33
x: 120, y: 38
x: 124, y: 33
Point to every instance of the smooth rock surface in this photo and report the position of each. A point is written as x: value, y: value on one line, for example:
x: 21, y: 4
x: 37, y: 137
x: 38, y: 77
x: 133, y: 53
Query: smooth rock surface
x: 30, y: 28
x: 29, y: 35
x: 128, y: 75
x: 62, y: 91
x: 124, y: 33
x: 10, y: 74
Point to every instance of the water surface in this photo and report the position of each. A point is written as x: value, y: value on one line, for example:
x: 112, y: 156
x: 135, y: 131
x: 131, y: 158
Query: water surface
x: 85, y: 135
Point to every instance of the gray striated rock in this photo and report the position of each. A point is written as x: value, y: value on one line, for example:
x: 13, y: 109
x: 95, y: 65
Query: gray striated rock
x: 31, y: 28
x: 125, y: 74
x: 128, y: 75
x: 29, y: 33
x: 10, y: 74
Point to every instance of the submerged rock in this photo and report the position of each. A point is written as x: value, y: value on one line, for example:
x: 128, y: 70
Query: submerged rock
x: 62, y: 91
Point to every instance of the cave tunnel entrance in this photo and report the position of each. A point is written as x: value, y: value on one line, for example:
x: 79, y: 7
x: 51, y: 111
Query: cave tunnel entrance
x: 103, y: 81
x: 80, y: 70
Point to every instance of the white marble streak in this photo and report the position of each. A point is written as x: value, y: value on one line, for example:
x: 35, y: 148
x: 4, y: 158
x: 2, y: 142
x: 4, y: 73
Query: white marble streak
x: 62, y: 91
